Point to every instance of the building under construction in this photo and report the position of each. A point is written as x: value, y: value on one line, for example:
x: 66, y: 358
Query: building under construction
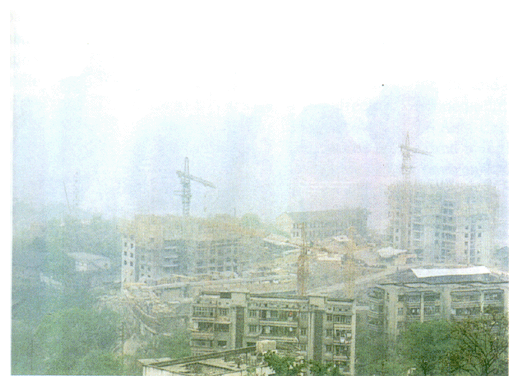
x: 156, y: 248
x: 323, y: 224
x: 443, y: 223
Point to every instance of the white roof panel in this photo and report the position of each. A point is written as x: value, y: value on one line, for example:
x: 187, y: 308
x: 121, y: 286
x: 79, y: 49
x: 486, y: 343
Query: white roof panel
x: 420, y: 273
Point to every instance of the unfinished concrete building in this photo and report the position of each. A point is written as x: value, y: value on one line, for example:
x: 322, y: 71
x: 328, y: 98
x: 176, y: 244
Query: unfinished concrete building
x: 444, y: 224
x: 314, y: 327
x: 158, y: 247
x: 429, y: 294
x: 323, y: 224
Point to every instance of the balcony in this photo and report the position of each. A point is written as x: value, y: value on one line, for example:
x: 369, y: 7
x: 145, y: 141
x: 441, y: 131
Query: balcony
x: 288, y: 339
x: 223, y: 319
x: 196, y: 334
x: 276, y: 322
x: 203, y: 318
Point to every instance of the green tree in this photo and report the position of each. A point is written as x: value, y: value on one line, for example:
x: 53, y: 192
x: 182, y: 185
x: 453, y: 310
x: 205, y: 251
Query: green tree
x: 174, y: 345
x: 99, y: 362
x: 481, y: 346
x: 323, y: 369
x: 66, y: 337
x: 376, y: 354
x: 426, y: 344
x: 283, y: 366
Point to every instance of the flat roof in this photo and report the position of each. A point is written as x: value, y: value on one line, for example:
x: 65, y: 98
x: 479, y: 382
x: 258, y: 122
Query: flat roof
x: 420, y: 273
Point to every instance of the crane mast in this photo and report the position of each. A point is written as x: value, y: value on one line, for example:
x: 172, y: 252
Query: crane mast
x: 406, y: 168
x: 186, y: 179
x: 302, y: 272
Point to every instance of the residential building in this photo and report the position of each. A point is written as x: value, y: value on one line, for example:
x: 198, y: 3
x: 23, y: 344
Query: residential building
x: 444, y: 224
x: 315, y: 327
x: 429, y: 294
x: 87, y: 262
x: 238, y: 362
x: 323, y: 224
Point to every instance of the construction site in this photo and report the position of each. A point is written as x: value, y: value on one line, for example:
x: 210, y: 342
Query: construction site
x: 171, y: 266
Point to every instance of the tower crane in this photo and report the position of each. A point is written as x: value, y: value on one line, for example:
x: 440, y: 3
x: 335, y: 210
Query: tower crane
x: 186, y: 179
x: 406, y: 168
x: 407, y: 151
x: 302, y: 271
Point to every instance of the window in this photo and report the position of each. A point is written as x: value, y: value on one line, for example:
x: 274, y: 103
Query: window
x: 431, y: 297
x: 328, y: 332
x: 303, y: 331
x: 400, y: 311
x: 493, y: 296
x: 221, y: 327
x: 222, y: 343
x: 342, y: 319
x: 223, y: 311
x: 329, y: 317
x: 432, y: 310
x: 203, y: 312
x: 253, y: 313
x: 253, y: 328
x: 341, y: 350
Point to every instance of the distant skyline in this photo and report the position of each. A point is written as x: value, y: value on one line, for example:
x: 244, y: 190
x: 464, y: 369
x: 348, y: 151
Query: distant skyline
x: 282, y: 114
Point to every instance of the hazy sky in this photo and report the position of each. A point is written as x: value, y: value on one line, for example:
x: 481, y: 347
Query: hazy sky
x: 283, y: 108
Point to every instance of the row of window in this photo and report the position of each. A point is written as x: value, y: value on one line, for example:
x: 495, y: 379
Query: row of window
x: 416, y: 311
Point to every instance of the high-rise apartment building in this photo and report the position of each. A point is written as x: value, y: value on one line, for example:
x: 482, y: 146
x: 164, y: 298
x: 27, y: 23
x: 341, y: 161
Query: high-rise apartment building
x: 444, y: 224
x: 315, y: 327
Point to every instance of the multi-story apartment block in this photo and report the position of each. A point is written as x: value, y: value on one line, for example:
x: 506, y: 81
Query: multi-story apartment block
x: 444, y: 224
x: 315, y: 327
x: 155, y: 248
x: 323, y: 224
x: 427, y: 294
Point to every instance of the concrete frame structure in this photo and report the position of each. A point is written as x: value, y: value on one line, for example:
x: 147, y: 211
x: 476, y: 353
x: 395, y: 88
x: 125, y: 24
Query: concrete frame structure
x: 419, y: 295
x: 315, y: 327
x: 159, y: 247
x: 447, y: 224
x: 323, y: 224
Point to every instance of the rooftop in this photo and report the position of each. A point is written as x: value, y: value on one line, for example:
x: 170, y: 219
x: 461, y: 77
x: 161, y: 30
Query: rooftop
x: 443, y: 276
x: 420, y: 273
